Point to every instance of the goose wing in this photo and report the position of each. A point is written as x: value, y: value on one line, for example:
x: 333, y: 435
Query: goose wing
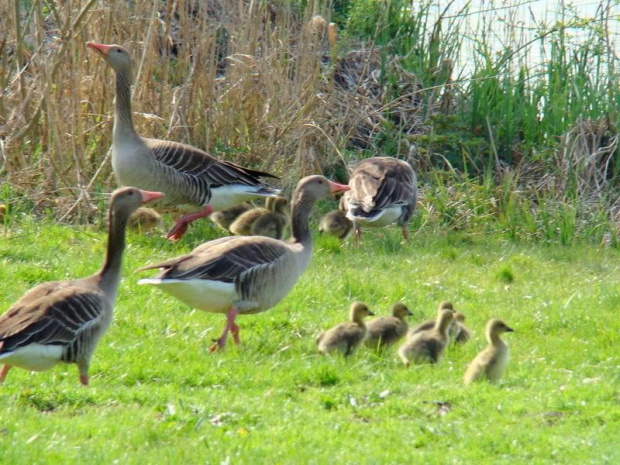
x: 50, y: 314
x: 224, y: 259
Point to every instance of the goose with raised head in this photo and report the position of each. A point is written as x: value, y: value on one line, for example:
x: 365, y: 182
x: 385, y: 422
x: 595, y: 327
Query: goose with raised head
x: 386, y: 330
x: 187, y: 175
x: 227, y: 217
x: 459, y: 333
x: 428, y: 346
x: 430, y: 323
x: 336, y: 223
x: 245, y: 274
x: 383, y: 191
x: 62, y: 321
x: 491, y: 362
x: 346, y: 337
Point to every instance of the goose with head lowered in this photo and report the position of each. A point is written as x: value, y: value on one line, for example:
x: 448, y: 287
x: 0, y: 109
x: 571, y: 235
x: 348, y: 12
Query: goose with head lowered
x: 62, y: 321
x: 383, y: 191
x: 245, y: 274
x: 187, y: 175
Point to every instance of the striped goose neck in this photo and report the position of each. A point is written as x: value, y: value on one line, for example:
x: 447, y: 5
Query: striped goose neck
x: 123, y: 122
x: 300, y: 218
x: 111, y: 270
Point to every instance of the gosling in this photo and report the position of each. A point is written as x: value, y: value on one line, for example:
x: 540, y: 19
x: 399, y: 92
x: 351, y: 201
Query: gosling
x: 428, y: 346
x: 459, y: 333
x: 144, y: 220
x: 490, y: 362
x: 273, y: 223
x: 346, y: 337
x: 242, y: 226
x: 227, y: 217
x: 387, y: 330
x: 336, y: 223
x: 430, y: 324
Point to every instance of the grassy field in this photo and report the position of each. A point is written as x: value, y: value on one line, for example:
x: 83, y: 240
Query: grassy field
x: 158, y: 395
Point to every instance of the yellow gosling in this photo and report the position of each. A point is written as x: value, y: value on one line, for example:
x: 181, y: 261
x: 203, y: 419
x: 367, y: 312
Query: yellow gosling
x: 387, y: 330
x: 346, y: 337
x: 491, y: 362
x: 428, y: 346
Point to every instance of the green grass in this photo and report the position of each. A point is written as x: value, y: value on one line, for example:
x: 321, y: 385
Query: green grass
x: 158, y: 395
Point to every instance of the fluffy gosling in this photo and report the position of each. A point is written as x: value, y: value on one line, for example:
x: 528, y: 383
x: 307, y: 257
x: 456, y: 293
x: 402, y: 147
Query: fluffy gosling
x: 430, y: 324
x: 242, y: 226
x: 459, y: 333
x: 227, y: 217
x: 336, y: 223
x: 144, y: 220
x: 428, y: 346
x: 346, y: 337
x: 386, y: 330
x: 273, y: 223
x: 490, y: 362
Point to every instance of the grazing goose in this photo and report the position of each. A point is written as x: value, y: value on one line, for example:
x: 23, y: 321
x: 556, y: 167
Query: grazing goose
x: 270, y: 221
x: 459, y: 333
x: 336, y: 223
x: 62, y: 321
x: 386, y: 330
x: 428, y: 346
x: 187, y: 175
x: 248, y: 274
x: 346, y: 337
x: 227, y: 217
x: 383, y: 191
x: 145, y: 219
x: 490, y: 362
x: 430, y: 324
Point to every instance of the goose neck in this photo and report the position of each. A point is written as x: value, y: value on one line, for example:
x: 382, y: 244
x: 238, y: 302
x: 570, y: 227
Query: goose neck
x: 300, y: 218
x: 111, y: 270
x: 123, y: 122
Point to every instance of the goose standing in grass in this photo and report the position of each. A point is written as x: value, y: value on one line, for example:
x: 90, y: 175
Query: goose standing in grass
x: 270, y: 221
x: 187, y: 175
x: 386, y: 330
x: 459, y: 333
x: 63, y: 321
x: 248, y: 274
x: 336, y: 223
x: 430, y: 324
x: 145, y: 219
x: 346, y: 337
x: 428, y: 346
x: 227, y: 217
x: 383, y: 191
x: 490, y: 362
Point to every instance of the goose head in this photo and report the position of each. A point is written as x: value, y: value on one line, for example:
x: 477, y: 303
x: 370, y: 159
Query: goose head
x: 444, y: 318
x: 279, y: 205
x: 317, y: 187
x: 358, y: 311
x: 446, y: 304
x: 128, y: 199
x: 496, y: 327
x: 115, y: 55
x: 400, y: 311
x: 458, y: 316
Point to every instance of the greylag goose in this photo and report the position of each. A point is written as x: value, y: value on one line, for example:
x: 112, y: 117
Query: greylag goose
x: 386, y: 330
x: 227, y: 217
x: 428, y: 346
x: 346, y: 337
x: 144, y: 220
x: 245, y: 274
x: 430, y: 324
x: 63, y: 321
x: 490, y: 362
x: 270, y: 221
x: 459, y: 333
x: 383, y: 191
x: 336, y: 223
x: 187, y: 175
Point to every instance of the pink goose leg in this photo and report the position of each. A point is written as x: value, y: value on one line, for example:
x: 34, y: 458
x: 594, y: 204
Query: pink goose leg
x: 180, y: 227
x: 230, y: 326
x: 4, y: 371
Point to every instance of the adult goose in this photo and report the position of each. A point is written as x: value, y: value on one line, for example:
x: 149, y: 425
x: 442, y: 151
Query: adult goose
x: 383, y: 191
x: 63, y: 321
x: 245, y: 274
x: 491, y: 362
x: 187, y: 175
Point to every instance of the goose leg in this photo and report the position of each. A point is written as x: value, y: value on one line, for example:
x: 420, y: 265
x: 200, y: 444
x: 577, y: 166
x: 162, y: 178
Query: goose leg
x: 230, y: 326
x: 180, y: 227
x: 358, y: 235
x: 405, y: 232
x: 5, y: 369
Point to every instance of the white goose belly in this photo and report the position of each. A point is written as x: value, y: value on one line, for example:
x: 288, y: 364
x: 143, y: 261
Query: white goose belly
x: 384, y: 217
x: 203, y: 294
x: 34, y: 357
